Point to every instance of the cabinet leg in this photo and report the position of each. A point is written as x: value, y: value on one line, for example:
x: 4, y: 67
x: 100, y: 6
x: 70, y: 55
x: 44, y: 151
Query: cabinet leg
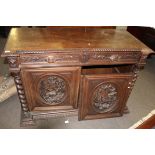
x: 26, y: 118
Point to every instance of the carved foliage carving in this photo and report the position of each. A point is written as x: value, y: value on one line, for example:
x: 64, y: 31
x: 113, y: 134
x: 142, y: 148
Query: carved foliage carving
x: 105, y: 97
x: 34, y: 59
x: 63, y: 58
x: 83, y: 57
x: 53, y: 89
x: 13, y: 61
x: 115, y: 57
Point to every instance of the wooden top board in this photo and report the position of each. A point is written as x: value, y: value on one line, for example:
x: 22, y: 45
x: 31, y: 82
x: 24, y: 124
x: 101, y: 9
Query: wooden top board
x: 71, y: 38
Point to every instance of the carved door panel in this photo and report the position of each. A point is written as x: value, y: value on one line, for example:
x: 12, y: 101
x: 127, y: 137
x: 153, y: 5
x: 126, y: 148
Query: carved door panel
x: 51, y: 88
x: 103, y: 95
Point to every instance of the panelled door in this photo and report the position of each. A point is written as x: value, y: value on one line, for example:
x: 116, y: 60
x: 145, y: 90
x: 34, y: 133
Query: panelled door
x: 51, y: 88
x: 103, y: 96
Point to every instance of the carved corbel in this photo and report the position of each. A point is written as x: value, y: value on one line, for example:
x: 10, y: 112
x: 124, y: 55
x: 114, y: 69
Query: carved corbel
x: 13, y: 61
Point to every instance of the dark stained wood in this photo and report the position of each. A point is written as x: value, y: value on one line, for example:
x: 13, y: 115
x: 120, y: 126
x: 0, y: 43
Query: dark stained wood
x: 63, y: 71
x: 70, y: 76
x: 97, y: 87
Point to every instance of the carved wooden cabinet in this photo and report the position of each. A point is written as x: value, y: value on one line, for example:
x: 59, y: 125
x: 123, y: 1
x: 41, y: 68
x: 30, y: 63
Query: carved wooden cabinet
x: 83, y: 71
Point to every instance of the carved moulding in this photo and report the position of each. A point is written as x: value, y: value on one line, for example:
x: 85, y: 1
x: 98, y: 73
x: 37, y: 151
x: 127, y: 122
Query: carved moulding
x: 53, y: 89
x: 109, y: 56
x: 54, y: 58
x: 81, y: 57
x: 104, y: 97
x: 115, y: 57
x: 76, y: 50
x: 55, y: 115
x: 26, y: 59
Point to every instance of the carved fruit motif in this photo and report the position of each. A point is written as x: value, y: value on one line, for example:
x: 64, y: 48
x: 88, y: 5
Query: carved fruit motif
x: 104, y: 97
x: 53, y: 89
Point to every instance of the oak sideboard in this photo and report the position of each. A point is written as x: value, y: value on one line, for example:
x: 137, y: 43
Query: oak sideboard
x: 84, y: 71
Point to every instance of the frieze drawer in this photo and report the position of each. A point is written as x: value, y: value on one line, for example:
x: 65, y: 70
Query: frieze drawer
x: 52, y: 59
x: 111, y: 57
x: 82, y: 58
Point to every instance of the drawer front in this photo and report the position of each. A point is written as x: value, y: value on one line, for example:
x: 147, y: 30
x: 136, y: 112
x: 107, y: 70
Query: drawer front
x: 52, y: 59
x: 113, y: 57
x: 103, y: 95
x: 51, y: 88
x: 82, y: 58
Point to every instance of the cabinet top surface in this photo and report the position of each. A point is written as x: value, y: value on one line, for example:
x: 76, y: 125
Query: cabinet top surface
x: 64, y: 39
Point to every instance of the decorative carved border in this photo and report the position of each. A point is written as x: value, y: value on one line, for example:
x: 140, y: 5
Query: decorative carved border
x: 82, y: 57
x: 77, y: 49
x: 33, y: 59
x: 111, y: 56
x: 36, y: 116
x: 18, y: 52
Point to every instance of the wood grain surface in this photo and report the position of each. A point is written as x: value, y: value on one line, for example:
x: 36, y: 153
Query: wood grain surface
x: 64, y: 38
